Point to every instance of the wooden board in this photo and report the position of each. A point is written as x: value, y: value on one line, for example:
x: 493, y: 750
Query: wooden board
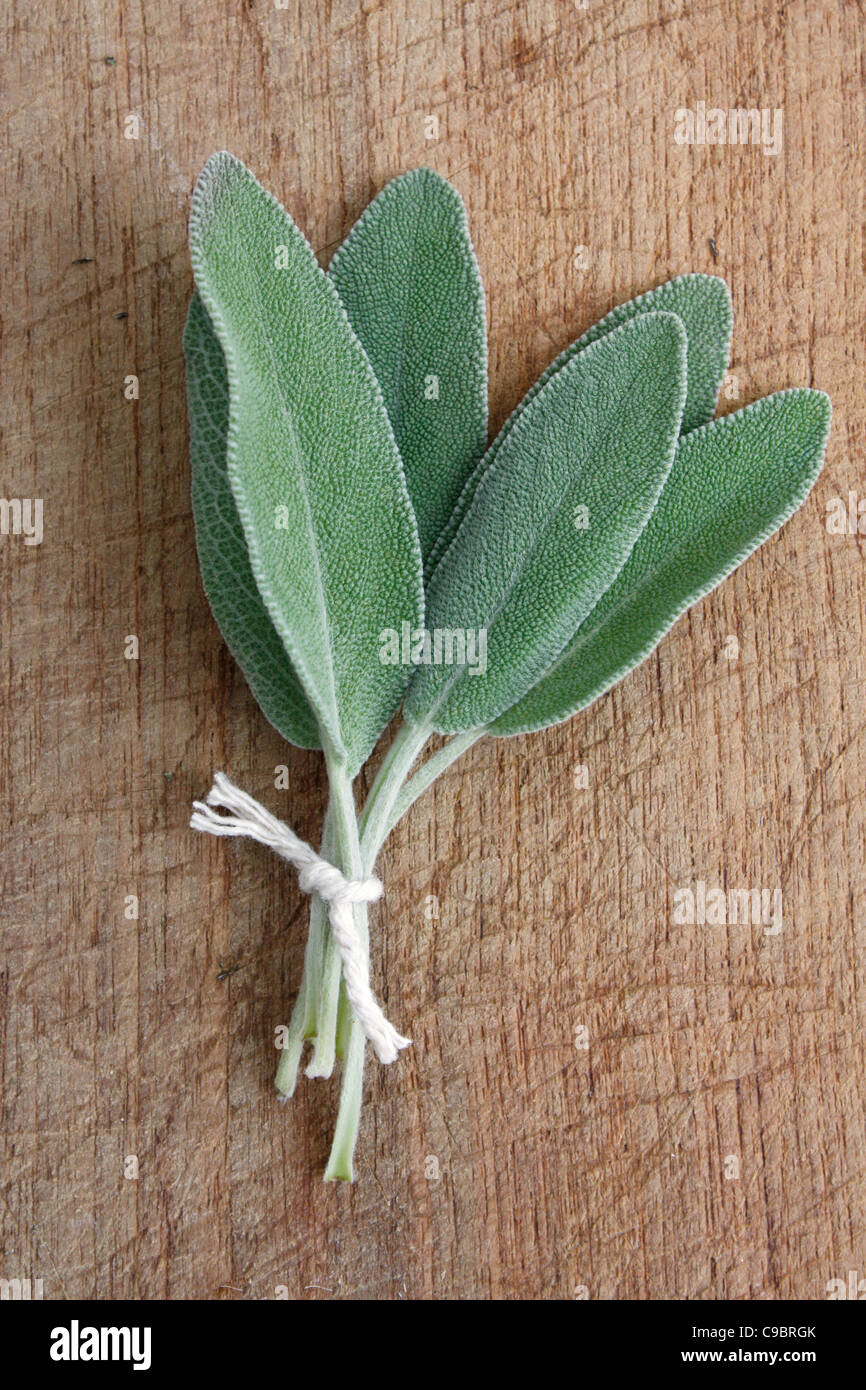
x: 709, y: 1141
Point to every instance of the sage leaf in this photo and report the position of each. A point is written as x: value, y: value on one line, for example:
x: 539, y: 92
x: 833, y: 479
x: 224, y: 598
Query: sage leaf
x: 733, y: 483
x: 703, y: 303
x: 409, y: 282
x: 311, y: 458
x: 553, y: 519
x: 228, y: 579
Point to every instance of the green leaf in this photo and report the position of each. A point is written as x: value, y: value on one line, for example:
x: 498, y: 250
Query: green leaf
x: 312, y: 462
x: 733, y: 483
x: 703, y: 303
x: 524, y: 567
x: 222, y: 550
x: 409, y: 282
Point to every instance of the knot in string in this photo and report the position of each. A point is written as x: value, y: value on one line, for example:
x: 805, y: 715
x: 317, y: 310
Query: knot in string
x: 315, y: 875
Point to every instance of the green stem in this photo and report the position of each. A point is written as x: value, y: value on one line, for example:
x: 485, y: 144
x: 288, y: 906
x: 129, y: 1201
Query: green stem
x: 321, y: 1062
x: 326, y: 982
x: 306, y: 1015
x: 316, y: 938
x: 340, y: 1162
x: 344, y: 818
x: 375, y: 832
x: 354, y: 845
x: 388, y: 800
x: 290, y: 1056
x: 344, y: 1022
x: 396, y: 766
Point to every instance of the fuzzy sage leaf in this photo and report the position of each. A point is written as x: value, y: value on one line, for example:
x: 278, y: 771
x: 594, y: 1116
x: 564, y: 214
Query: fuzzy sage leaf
x: 554, y: 518
x: 312, y: 463
x: 227, y: 575
x: 733, y: 483
x: 703, y: 305
x: 409, y: 282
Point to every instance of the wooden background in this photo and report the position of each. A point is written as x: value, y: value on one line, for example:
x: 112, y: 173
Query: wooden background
x: 563, y: 1171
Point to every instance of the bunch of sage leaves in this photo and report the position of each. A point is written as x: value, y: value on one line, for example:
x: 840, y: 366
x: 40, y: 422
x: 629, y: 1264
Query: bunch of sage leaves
x: 343, y: 490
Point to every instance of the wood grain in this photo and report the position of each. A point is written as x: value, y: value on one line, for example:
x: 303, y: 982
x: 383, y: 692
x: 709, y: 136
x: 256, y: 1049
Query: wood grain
x: 563, y: 1169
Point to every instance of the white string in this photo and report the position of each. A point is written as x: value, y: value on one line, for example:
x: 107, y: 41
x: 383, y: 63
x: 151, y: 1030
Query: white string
x: 315, y: 875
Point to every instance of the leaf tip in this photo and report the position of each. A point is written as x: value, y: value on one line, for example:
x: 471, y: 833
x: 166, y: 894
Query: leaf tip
x: 222, y: 168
